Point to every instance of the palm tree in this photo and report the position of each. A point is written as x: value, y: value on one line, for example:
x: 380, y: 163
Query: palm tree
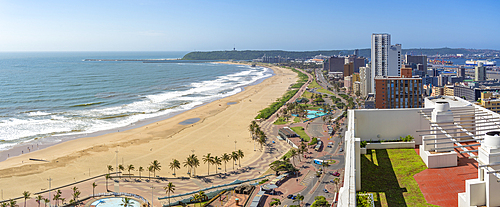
x: 240, y: 155
x: 195, y: 162
x: 12, y: 203
x: 140, y: 170
x: 225, y: 158
x: 4, y: 204
x: 202, y: 196
x: 156, y: 166
x: 107, y: 178
x: 76, y: 194
x: 234, y: 156
x: 169, y: 189
x: 126, y: 202
x: 110, y: 168
x: 337, y: 182
x: 300, y: 198
x: 38, y: 199
x: 129, y: 168
x: 57, y: 196
x: 121, y: 168
x: 93, y: 188
x: 293, y: 153
x: 26, y: 195
x: 196, y: 198
x: 188, y: 163
x: 209, y: 160
x: 46, y: 200
x: 150, y: 169
x: 175, y: 164
x: 216, y: 161
x: 251, y: 128
x: 275, y: 202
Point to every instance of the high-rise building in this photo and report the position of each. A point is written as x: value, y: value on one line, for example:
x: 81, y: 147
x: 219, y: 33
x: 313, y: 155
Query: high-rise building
x: 335, y: 64
x: 365, y: 76
x: 398, y: 92
x: 480, y: 72
x: 415, y: 60
x: 385, y: 58
x: 348, y: 69
x: 461, y: 71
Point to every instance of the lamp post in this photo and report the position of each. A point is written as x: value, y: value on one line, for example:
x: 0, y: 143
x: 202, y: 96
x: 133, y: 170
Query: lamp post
x: 234, y: 145
x: 116, y: 166
x: 152, y: 194
x: 50, y: 180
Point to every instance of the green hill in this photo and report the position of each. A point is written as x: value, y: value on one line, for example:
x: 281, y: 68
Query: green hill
x: 253, y: 54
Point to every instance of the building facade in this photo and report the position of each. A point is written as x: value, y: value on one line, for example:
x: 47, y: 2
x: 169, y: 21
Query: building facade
x: 480, y: 72
x: 385, y: 58
x: 365, y: 79
x: 335, y: 64
x: 491, y: 101
x: 398, y: 92
x: 415, y: 60
x: 348, y: 69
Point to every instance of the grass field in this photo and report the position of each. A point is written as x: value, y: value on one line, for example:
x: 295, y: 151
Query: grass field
x: 300, y: 131
x: 388, y: 174
x: 280, y: 121
x: 314, y: 84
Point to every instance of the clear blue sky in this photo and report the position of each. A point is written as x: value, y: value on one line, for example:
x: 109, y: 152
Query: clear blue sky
x: 187, y: 25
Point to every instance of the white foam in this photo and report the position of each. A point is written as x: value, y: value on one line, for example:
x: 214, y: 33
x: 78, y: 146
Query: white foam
x: 43, y: 124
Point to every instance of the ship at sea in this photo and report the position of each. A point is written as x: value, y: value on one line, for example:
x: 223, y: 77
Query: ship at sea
x: 476, y: 62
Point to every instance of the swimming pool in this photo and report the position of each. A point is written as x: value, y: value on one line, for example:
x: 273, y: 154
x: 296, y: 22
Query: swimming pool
x: 112, y: 202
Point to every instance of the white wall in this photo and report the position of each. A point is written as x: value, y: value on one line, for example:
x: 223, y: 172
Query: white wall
x: 389, y: 124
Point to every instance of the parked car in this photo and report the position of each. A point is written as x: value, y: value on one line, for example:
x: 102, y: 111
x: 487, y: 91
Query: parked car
x: 336, y: 174
x: 325, y: 190
x: 290, y: 196
x: 341, y: 149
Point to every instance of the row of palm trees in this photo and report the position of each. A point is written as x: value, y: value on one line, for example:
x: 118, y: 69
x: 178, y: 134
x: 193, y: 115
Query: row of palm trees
x: 57, y: 197
x: 153, y: 167
x: 257, y: 134
x: 191, y: 162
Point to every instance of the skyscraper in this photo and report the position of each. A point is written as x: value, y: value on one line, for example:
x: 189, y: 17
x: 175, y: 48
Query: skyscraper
x: 480, y: 72
x: 366, y: 81
x: 385, y: 58
x: 461, y: 72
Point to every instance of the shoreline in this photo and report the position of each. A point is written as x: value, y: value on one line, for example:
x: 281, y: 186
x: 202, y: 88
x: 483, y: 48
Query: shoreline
x: 35, y: 145
x: 222, y: 128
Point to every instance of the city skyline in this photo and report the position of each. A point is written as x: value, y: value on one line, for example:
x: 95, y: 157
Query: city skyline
x: 256, y: 25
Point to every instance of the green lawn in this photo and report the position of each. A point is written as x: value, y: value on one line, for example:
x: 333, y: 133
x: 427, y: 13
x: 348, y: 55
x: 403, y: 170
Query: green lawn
x: 388, y: 174
x: 296, y: 120
x: 280, y: 121
x: 322, y: 90
x: 300, y: 131
x: 314, y: 84
x: 307, y: 94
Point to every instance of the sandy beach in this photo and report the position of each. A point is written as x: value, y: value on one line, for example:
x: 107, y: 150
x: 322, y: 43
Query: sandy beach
x: 221, y: 128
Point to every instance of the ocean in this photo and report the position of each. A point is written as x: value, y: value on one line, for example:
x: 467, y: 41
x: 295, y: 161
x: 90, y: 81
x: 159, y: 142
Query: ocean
x: 48, y: 97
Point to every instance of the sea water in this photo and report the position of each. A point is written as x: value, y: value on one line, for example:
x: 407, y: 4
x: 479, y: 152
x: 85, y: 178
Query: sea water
x: 46, y: 97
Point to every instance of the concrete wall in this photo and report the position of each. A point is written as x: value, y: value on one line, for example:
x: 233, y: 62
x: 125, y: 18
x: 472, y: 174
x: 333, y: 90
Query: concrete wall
x: 388, y: 124
x: 438, y: 160
x: 391, y: 145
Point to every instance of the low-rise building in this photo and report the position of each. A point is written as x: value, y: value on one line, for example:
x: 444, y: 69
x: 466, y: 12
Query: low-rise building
x: 398, y: 92
x: 490, y: 100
